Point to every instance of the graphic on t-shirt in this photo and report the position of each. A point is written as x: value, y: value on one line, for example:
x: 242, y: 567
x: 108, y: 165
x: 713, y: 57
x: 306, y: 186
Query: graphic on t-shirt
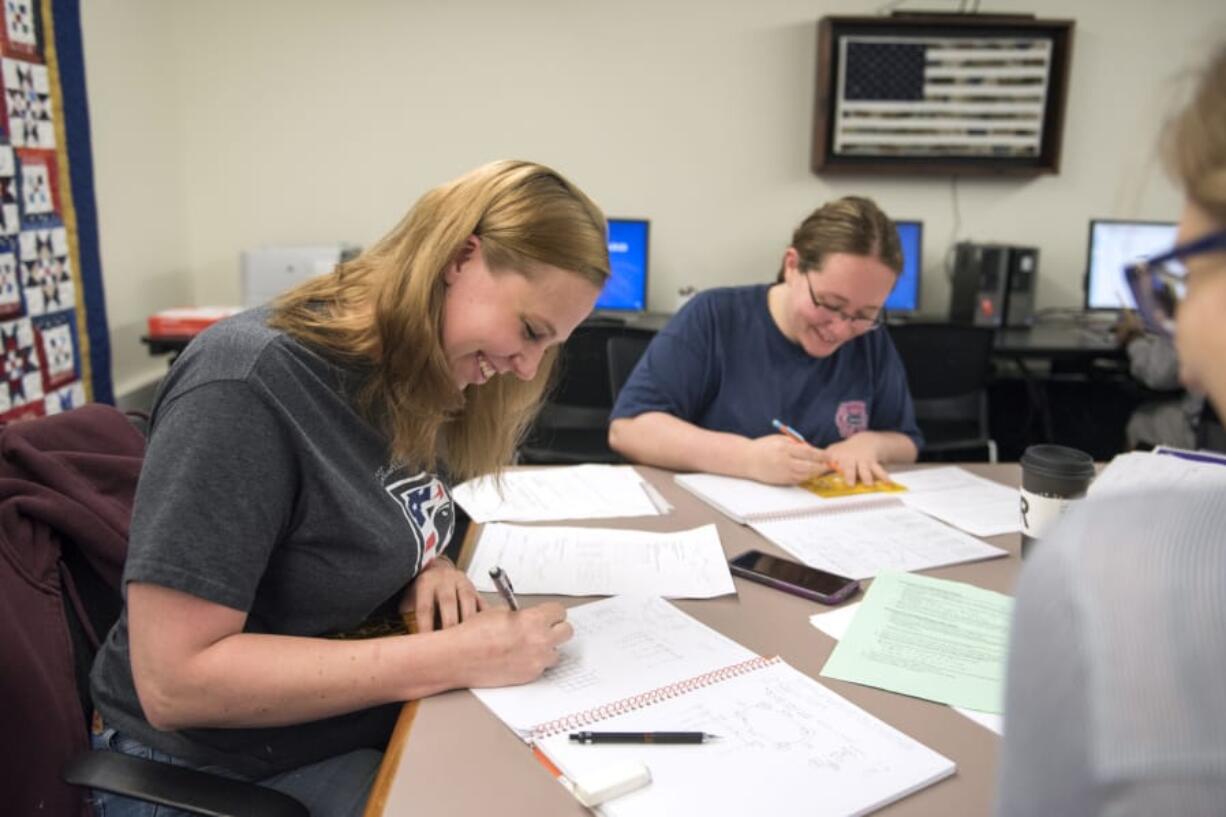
x: 427, y: 506
x: 851, y: 417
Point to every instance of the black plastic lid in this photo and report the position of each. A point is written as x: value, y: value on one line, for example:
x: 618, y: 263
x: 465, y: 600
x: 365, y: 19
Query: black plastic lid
x: 1057, y: 461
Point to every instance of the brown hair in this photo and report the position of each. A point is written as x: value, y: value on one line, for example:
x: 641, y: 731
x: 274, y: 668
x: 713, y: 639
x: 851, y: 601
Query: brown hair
x: 382, y: 312
x: 1195, y: 141
x: 852, y: 224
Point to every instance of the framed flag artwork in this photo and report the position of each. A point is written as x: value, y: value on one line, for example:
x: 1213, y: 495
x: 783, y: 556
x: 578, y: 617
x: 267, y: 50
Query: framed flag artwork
x: 54, y: 349
x: 941, y: 93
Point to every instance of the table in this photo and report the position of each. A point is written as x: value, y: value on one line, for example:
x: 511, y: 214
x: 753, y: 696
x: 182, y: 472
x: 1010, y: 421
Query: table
x: 449, y: 755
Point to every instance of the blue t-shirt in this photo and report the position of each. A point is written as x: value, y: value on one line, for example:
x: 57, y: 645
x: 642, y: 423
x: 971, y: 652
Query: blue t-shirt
x: 723, y: 364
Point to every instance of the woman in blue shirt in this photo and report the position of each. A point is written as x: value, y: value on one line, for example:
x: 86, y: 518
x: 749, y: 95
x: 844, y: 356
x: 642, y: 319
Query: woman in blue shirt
x: 804, y: 350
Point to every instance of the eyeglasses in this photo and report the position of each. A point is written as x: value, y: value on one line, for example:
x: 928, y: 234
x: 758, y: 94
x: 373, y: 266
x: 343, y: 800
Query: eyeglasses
x: 1159, y: 283
x: 859, y: 323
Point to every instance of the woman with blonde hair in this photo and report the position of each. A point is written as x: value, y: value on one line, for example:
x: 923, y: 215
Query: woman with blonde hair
x: 1114, y: 701
x: 291, y: 493
x: 803, y: 351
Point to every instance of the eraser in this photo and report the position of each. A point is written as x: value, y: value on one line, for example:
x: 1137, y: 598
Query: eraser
x: 594, y: 786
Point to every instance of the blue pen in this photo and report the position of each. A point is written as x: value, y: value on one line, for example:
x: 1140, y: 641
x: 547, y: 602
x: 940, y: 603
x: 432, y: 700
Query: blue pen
x: 784, y: 428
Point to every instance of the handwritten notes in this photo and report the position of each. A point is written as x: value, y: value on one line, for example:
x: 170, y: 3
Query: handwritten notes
x: 603, y: 561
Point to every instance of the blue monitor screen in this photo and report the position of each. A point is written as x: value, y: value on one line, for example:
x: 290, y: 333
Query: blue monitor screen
x: 626, y: 289
x: 904, y: 297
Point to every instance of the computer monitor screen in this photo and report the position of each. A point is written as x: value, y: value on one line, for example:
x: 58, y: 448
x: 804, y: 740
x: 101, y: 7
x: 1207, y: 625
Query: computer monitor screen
x: 626, y: 289
x: 905, y: 295
x: 1113, y: 244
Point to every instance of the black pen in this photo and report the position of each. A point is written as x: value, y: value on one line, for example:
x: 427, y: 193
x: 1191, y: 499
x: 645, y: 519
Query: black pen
x: 641, y: 737
x: 503, y: 583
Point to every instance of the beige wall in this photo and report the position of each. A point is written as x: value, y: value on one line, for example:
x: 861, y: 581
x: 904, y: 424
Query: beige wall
x: 226, y: 124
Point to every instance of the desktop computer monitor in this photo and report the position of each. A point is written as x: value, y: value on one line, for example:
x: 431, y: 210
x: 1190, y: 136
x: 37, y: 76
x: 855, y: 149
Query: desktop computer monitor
x: 904, y: 297
x: 626, y: 289
x: 1113, y: 244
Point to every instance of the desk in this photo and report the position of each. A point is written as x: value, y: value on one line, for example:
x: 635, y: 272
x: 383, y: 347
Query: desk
x: 1057, y: 342
x: 1075, y: 355
x: 451, y: 756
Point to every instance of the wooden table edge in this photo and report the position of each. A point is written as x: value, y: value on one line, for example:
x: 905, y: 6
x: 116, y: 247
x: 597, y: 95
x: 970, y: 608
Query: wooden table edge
x: 376, y: 802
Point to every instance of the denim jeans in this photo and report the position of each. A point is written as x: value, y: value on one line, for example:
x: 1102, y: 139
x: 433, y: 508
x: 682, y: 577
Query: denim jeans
x: 335, y: 787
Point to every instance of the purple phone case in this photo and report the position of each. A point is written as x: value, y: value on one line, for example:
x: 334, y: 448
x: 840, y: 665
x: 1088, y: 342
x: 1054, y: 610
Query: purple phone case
x: 842, y: 594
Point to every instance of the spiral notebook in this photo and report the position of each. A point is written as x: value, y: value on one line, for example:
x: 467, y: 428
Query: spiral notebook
x: 746, y: 501
x: 640, y: 664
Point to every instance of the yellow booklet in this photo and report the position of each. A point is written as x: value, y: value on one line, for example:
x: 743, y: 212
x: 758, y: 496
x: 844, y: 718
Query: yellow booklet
x: 832, y: 485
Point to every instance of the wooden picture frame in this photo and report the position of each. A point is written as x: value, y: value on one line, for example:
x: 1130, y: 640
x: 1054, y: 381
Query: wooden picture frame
x: 943, y: 94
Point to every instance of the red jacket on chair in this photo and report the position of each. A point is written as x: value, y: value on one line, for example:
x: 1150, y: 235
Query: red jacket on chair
x: 67, y: 483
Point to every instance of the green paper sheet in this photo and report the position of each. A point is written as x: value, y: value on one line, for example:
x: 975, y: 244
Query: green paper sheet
x: 929, y: 638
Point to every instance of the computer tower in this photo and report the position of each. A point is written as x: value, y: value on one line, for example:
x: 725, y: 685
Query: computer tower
x: 994, y: 285
x: 1023, y: 278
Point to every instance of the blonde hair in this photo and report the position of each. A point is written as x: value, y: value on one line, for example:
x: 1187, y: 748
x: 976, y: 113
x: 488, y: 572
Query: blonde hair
x: 381, y: 313
x: 1195, y: 141
x: 852, y: 224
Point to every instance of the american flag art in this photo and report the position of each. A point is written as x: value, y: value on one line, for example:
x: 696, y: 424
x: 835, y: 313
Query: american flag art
x: 941, y: 97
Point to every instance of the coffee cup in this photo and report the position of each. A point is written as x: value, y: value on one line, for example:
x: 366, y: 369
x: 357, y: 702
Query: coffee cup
x: 1053, y: 477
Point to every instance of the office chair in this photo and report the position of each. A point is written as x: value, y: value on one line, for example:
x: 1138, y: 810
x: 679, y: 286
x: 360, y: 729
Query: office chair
x: 1210, y: 433
x: 573, y: 425
x: 624, y: 352
x: 948, y: 368
x: 69, y: 483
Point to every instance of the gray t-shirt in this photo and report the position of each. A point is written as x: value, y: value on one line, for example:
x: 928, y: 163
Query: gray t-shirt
x: 264, y: 490
x: 1115, y: 702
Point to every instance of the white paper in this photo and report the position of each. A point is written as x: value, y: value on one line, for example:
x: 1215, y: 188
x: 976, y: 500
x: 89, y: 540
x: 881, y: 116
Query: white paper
x: 744, y: 498
x: 962, y: 499
x: 572, y: 492
x: 1141, y: 471
x: 623, y: 646
x: 603, y: 561
x: 788, y: 745
x: 860, y: 545
x: 836, y: 622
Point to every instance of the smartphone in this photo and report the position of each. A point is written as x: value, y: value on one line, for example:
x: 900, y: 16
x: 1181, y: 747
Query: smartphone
x: 793, y: 577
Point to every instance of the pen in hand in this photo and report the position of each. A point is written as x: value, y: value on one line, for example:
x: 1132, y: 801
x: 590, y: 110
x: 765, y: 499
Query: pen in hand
x: 503, y: 583
x: 784, y: 428
x: 641, y: 737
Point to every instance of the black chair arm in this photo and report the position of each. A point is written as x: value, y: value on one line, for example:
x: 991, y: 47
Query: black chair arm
x: 179, y: 787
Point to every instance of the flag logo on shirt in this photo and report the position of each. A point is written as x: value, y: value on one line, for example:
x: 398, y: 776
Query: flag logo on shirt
x: 851, y: 417
x: 427, y: 506
x: 941, y: 97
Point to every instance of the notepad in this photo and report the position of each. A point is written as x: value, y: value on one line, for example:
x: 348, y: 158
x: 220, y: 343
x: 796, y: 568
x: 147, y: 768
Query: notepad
x: 747, y: 501
x: 950, y: 494
x: 640, y: 664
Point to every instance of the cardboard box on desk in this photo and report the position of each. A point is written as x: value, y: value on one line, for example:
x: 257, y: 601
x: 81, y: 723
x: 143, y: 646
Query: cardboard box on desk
x: 187, y: 321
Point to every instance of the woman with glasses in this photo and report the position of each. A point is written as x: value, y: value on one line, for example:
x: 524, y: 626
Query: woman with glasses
x: 1115, y: 702
x: 803, y: 352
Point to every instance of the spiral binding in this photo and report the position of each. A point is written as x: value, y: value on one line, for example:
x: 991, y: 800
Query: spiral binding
x: 875, y: 504
x: 567, y: 723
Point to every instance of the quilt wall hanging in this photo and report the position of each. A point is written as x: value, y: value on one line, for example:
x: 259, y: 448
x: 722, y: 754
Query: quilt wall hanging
x: 54, y: 347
